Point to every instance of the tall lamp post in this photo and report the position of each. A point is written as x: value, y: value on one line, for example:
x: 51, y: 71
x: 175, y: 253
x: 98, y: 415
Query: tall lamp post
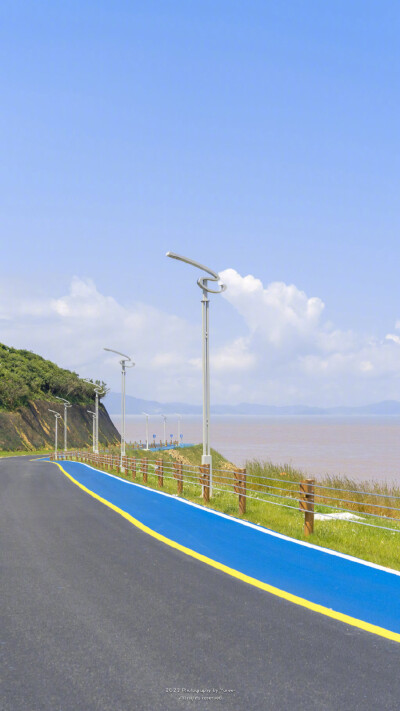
x: 147, y: 430
x: 98, y: 390
x: 57, y: 416
x: 94, y: 418
x: 126, y: 362
x: 67, y: 404
x: 203, y: 284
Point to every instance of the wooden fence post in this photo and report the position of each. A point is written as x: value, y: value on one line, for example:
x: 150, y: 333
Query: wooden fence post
x: 133, y: 467
x: 180, y: 479
x: 205, y: 481
x: 239, y: 488
x: 242, y: 491
x: 307, y: 504
x: 144, y: 470
x: 160, y: 471
x: 178, y: 474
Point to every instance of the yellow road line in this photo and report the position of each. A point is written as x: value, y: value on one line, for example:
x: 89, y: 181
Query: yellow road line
x: 366, y: 626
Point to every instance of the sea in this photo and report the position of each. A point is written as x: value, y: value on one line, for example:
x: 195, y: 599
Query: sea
x: 362, y: 448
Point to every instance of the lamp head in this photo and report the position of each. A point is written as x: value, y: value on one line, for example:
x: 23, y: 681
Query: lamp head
x: 202, y: 281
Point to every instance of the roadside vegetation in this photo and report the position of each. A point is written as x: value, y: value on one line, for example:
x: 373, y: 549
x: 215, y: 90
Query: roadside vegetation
x: 25, y: 376
x: 25, y: 453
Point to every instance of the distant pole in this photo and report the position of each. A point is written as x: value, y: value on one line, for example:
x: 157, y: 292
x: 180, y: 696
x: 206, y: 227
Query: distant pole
x: 55, y: 444
x: 147, y: 430
x: 67, y: 404
x: 165, y: 421
x: 203, y: 284
x: 179, y: 428
x: 57, y: 417
x: 126, y: 362
x: 98, y: 391
x: 94, y: 428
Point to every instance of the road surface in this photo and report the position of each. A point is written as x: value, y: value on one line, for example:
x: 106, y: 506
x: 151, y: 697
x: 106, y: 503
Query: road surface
x: 97, y: 615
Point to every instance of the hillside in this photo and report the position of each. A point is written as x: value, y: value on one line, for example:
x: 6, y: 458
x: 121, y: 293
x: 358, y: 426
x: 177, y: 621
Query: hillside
x: 29, y: 386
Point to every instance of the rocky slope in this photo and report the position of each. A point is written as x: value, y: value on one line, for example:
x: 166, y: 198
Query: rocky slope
x: 29, y: 386
x: 32, y: 427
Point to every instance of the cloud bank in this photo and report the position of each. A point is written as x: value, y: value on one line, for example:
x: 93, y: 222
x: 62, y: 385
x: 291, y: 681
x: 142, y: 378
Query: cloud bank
x: 286, y: 352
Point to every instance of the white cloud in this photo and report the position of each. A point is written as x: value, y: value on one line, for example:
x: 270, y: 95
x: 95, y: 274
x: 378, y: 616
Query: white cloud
x: 393, y: 337
x: 287, y: 338
x: 285, y: 351
x: 73, y: 329
x: 283, y: 314
x: 234, y: 357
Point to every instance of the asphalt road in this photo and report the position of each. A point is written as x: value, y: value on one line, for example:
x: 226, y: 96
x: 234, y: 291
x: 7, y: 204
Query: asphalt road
x: 98, y: 615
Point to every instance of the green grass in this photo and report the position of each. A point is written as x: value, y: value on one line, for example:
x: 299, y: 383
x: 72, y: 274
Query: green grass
x: 26, y: 376
x: 192, y: 455
x: 375, y: 545
x: 25, y: 452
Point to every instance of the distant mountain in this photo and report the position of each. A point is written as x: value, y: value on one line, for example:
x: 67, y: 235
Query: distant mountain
x: 386, y: 407
x: 136, y: 406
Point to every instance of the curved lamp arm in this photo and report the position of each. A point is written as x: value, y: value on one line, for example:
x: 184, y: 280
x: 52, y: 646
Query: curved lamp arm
x: 125, y: 358
x: 97, y: 388
x: 65, y: 401
x: 202, y: 281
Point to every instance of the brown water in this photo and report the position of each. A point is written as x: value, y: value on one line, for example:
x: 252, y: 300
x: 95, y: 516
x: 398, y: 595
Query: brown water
x: 361, y: 448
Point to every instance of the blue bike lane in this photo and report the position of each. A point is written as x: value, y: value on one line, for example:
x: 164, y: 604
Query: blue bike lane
x: 341, y: 587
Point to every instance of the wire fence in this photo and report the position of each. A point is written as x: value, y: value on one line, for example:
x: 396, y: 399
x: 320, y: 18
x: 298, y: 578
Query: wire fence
x: 312, y: 500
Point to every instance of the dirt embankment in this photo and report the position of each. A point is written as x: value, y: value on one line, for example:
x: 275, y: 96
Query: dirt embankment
x: 32, y: 427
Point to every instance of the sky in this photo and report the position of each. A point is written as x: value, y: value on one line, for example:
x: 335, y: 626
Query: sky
x: 258, y: 138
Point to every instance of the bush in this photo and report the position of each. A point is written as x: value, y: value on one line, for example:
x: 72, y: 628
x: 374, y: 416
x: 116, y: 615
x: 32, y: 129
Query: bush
x: 25, y: 376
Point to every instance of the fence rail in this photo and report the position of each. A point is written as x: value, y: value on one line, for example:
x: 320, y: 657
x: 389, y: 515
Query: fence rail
x: 363, y: 508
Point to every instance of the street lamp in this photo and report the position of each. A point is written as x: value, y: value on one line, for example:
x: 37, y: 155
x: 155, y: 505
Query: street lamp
x: 203, y: 284
x: 94, y: 428
x: 165, y: 421
x: 126, y: 362
x: 57, y: 416
x: 147, y: 429
x: 67, y: 404
x: 99, y: 390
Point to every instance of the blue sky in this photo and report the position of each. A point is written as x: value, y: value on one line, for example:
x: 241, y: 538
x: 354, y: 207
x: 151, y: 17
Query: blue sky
x: 258, y: 137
